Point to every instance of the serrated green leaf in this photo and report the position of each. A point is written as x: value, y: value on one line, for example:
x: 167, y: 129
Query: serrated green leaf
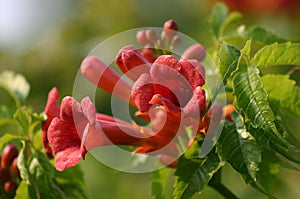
x: 10, y: 137
x: 194, y: 173
x: 159, y: 184
x: 228, y: 60
x: 258, y: 35
x: 15, y: 84
x: 266, y: 141
x: 251, y: 100
x: 219, y: 15
x: 239, y: 148
x: 263, y: 36
x: 277, y: 54
x: 283, y: 91
x: 247, y: 50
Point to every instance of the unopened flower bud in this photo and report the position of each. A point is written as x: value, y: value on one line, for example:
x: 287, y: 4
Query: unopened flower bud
x: 14, y: 168
x: 151, y: 35
x: 4, y: 174
x: 9, y: 153
x: 161, y: 44
x: 170, y: 29
x: 10, y: 187
x: 175, y: 41
x: 195, y: 51
x: 171, y: 24
x: 227, y: 110
x: 142, y: 38
x: 132, y: 62
x: 148, y: 54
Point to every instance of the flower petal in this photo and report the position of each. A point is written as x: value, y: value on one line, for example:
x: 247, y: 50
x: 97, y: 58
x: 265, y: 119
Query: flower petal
x: 196, y: 105
x: 132, y: 63
x: 67, y: 158
x: 142, y: 92
x: 195, y: 51
x: 65, y: 143
x: 170, y: 83
x: 52, y: 110
x: 193, y: 71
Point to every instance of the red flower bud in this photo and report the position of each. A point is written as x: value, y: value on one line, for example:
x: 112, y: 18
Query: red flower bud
x: 195, y: 51
x: 4, y: 175
x: 10, y: 187
x: 175, y: 41
x: 171, y: 24
x: 14, y: 170
x: 9, y: 153
x: 132, y: 62
x: 170, y: 30
x: 151, y: 35
x: 227, y: 110
x: 142, y: 38
x: 148, y: 54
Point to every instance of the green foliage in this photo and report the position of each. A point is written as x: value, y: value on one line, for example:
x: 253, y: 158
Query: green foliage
x: 251, y: 100
x: 16, y: 85
x: 39, y: 178
x: 241, y: 151
x: 219, y: 15
x: 283, y: 92
x: 159, y: 185
x: 277, y: 54
x: 193, y: 173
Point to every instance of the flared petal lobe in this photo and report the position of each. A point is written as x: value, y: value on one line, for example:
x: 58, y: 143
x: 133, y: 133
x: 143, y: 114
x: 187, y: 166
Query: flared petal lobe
x: 52, y: 110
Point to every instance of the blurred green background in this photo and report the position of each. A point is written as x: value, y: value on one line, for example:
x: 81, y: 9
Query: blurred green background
x: 47, y: 40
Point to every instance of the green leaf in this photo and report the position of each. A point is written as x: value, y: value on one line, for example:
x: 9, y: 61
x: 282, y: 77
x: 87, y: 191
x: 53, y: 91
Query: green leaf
x: 25, y: 190
x: 16, y: 85
x: 216, y: 183
x: 277, y: 54
x: 263, y: 36
x: 258, y: 35
x: 251, y: 100
x: 232, y: 18
x: 240, y: 149
x: 194, y: 173
x: 229, y: 58
x: 9, y: 126
x: 71, y: 182
x: 219, y: 15
x: 9, y: 138
x: 159, y: 184
x: 283, y: 91
x: 266, y: 141
x: 40, y: 166
x: 268, y: 168
x: 23, y: 118
x: 23, y: 159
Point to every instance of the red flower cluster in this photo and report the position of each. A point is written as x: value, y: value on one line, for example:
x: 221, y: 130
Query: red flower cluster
x: 9, y: 172
x: 167, y: 92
